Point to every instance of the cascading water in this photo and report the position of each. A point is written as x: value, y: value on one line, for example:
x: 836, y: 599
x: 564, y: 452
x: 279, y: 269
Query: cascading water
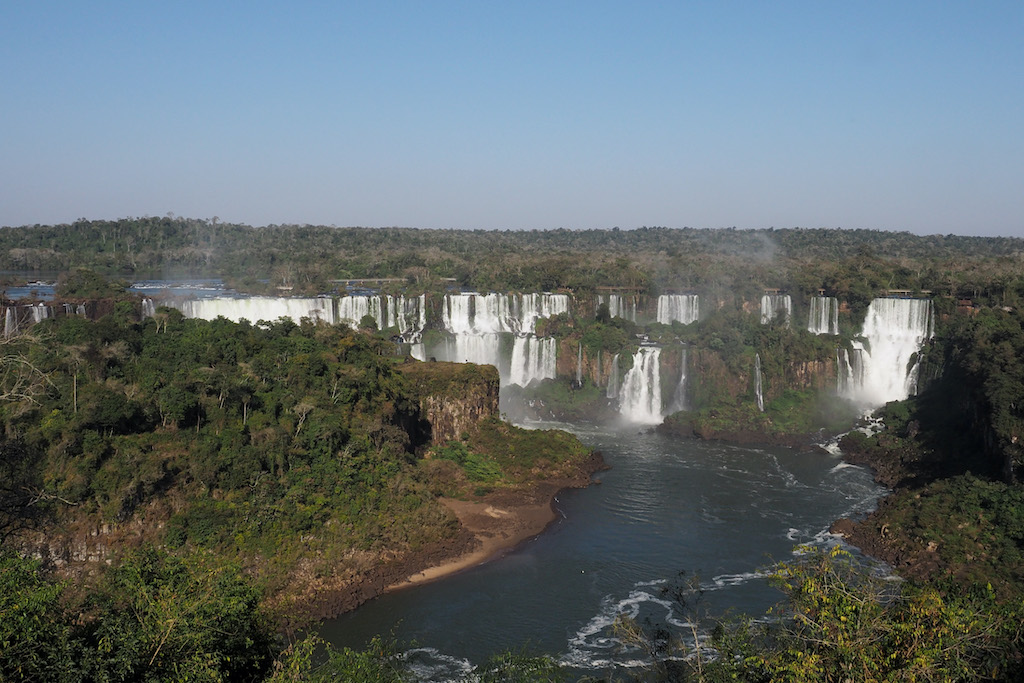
x: 757, y: 382
x: 482, y: 349
x: 619, y: 306
x: 612, y: 390
x: 851, y: 370
x: 533, y: 359
x: 884, y: 366
x: 148, y: 308
x: 823, y: 317
x: 579, y: 365
x: 682, y: 307
x: 477, y: 323
x: 258, y: 308
x: 533, y: 307
x: 10, y: 322
x: 679, y: 397
x: 776, y: 306
x: 472, y: 313
x: 408, y: 315
x: 352, y: 309
x: 640, y: 396
x: 39, y: 312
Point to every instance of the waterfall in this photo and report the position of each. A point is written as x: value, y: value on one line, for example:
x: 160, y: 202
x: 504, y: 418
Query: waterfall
x: 579, y: 365
x: 10, y: 322
x: 352, y: 309
x: 148, y: 308
x: 851, y: 370
x: 757, y: 382
x: 533, y: 307
x: 776, y: 306
x: 472, y: 313
x: 407, y: 315
x: 619, y: 306
x: 640, y: 397
x: 477, y: 323
x: 258, y: 308
x: 612, y: 391
x: 679, y: 397
x: 682, y: 307
x: 823, y: 317
x: 39, y: 312
x: 482, y: 349
x: 884, y: 366
x: 533, y: 359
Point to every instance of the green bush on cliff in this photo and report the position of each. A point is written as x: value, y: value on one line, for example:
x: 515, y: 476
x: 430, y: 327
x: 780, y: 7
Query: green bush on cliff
x: 478, y: 468
x: 571, y: 402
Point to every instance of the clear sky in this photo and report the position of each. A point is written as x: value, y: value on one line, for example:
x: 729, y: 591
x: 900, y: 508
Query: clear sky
x: 517, y: 115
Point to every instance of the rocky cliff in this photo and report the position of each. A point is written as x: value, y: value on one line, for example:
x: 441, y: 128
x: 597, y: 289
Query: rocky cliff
x: 453, y: 397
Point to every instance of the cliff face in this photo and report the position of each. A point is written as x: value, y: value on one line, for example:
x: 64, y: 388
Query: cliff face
x: 595, y: 366
x: 815, y: 374
x: 453, y: 397
x: 709, y: 376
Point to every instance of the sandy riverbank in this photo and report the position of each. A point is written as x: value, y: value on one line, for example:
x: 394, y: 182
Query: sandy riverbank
x: 498, y: 525
x: 488, y: 528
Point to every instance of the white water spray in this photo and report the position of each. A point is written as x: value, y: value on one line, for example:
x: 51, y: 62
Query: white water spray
x: 679, y: 397
x: 884, y: 366
x: 682, y: 307
x: 823, y: 317
x: 640, y: 397
x: 757, y: 382
x: 533, y: 359
x: 776, y: 306
x: 612, y: 390
x: 258, y: 308
x: 619, y: 306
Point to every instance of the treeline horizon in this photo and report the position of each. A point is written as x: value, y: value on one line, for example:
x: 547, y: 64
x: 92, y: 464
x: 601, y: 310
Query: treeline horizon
x: 726, y: 263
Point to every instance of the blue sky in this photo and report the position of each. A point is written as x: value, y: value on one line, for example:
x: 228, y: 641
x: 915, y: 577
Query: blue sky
x: 881, y: 115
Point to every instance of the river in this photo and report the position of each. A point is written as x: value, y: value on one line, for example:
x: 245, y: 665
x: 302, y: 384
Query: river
x: 720, y: 512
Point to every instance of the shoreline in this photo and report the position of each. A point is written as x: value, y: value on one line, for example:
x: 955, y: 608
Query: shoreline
x: 501, y: 522
x: 497, y: 530
x: 488, y: 529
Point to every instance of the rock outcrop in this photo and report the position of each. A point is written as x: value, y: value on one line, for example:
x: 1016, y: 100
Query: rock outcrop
x: 453, y: 397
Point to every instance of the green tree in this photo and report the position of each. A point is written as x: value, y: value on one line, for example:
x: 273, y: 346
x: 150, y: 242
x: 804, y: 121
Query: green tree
x: 164, y: 618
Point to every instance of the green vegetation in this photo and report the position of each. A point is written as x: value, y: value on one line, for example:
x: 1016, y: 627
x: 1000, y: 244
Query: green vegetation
x: 160, y: 617
x: 952, y: 455
x: 83, y: 284
x: 839, y: 623
x: 725, y: 265
x: 224, y: 468
x: 154, y: 617
x: 268, y: 446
